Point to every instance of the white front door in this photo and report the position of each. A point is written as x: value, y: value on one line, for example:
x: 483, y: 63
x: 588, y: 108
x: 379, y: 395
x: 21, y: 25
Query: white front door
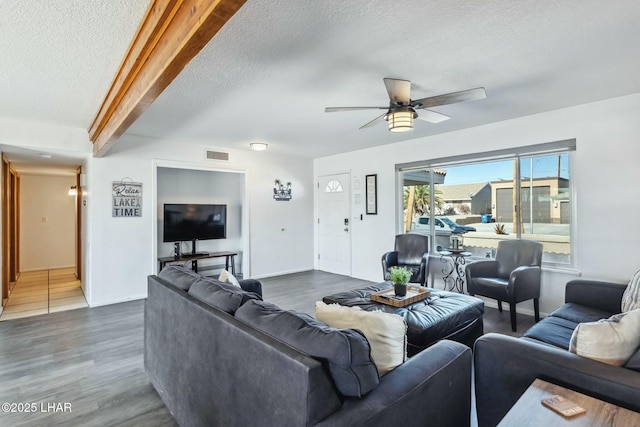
x: 334, y: 225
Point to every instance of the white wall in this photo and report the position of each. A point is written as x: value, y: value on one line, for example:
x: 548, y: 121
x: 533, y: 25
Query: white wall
x: 203, y: 187
x: 44, y: 136
x: 604, y: 175
x: 47, y: 222
x: 123, y: 251
x: 118, y: 253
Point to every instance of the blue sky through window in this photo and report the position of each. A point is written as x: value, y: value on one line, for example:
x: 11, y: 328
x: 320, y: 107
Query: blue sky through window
x: 543, y: 167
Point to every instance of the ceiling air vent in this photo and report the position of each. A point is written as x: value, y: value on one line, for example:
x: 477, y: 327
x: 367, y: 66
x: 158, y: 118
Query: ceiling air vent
x: 217, y: 155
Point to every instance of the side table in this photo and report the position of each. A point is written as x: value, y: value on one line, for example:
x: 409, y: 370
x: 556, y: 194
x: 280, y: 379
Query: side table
x: 529, y: 411
x: 454, y: 278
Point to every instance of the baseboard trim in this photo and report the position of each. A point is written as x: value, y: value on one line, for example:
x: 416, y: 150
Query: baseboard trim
x: 59, y: 267
x: 505, y: 306
x: 116, y: 301
x: 281, y: 273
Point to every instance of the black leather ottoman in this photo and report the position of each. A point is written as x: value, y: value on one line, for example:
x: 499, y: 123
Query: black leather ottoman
x: 442, y: 315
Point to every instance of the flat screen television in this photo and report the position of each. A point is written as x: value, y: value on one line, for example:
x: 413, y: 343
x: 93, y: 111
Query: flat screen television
x: 183, y: 222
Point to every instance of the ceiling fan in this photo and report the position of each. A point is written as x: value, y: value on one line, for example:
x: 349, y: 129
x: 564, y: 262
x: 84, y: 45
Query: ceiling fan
x: 402, y: 109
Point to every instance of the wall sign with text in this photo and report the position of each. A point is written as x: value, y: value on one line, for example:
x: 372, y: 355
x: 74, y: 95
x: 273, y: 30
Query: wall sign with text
x: 372, y: 194
x: 127, y: 199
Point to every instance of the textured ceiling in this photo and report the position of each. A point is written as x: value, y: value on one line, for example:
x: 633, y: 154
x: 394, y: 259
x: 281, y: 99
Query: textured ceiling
x: 274, y: 67
x: 58, y: 59
x: 269, y: 73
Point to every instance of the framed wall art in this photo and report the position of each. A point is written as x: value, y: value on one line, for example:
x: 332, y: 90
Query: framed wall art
x: 372, y: 194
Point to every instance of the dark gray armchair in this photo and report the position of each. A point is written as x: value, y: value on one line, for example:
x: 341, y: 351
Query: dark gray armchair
x: 513, y: 276
x: 411, y: 251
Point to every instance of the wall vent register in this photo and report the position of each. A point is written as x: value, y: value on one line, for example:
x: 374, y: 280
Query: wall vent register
x: 217, y: 155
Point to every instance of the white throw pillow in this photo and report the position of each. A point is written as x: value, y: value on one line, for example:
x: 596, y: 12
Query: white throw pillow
x: 631, y: 296
x: 386, y: 332
x: 227, y: 277
x: 613, y: 340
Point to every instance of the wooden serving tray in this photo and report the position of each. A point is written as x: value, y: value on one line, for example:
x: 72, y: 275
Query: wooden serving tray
x: 388, y: 296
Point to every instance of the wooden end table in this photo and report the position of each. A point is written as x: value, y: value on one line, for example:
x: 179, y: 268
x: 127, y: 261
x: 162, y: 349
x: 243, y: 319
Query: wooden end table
x: 529, y: 411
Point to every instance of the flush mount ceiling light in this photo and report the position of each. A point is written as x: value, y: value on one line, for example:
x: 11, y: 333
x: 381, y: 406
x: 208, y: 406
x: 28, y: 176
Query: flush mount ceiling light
x: 259, y: 146
x: 401, y: 120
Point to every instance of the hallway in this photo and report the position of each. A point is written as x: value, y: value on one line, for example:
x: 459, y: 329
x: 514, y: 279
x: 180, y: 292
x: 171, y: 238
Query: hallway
x: 42, y: 292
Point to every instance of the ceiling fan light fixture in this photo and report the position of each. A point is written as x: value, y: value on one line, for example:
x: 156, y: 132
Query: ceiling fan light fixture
x: 401, y: 120
x: 259, y: 146
x: 401, y: 109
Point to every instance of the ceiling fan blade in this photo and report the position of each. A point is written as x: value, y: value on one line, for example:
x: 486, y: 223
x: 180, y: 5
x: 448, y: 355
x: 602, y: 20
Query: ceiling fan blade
x: 334, y: 109
x: 450, y: 98
x: 432, y: 116
x: 399, y: 90
x: 374, y: 121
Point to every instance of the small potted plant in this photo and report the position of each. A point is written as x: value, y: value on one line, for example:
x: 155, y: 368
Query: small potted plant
x: 399, y: 276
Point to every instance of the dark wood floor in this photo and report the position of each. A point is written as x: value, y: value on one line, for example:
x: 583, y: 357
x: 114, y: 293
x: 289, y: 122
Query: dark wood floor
x: 92, y: 358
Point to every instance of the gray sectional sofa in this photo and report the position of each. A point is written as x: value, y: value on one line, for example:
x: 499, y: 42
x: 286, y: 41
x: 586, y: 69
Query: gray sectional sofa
x: 505, y: 366
x: 219, y: 356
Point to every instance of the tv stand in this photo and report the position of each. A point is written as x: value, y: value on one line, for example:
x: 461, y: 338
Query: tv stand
x: 228, y: 256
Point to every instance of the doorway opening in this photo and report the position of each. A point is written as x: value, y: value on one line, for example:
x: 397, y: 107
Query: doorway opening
x: 41, y: 242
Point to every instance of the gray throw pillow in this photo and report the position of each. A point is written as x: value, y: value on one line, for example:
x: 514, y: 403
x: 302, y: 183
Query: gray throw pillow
x: 179, y: 276
x: 220, y: 295
x: 345, y: 352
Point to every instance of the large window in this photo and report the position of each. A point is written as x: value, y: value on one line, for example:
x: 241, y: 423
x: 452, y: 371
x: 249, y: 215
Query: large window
x: 524, y: 196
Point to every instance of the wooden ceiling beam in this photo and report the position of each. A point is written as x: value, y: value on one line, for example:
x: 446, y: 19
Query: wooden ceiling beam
x: 170, y: 35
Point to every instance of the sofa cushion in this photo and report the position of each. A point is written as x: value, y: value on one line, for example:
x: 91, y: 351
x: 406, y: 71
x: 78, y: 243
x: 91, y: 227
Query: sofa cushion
x: 491, y: 282
x: 631, y: 296
x: 552, y: 330
x: 634, y: 361
x: 386, y: 332
x: 345, y: 353
x: 613, y: 340
x: 580, y: 313
x: 227, y: 277
x: 220, y: 295
x: 179, y: 276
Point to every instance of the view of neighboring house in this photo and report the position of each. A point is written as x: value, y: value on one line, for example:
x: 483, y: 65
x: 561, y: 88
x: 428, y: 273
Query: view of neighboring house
x: 543, y: 199
x: 466, y: 198
x: 546, y: 201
